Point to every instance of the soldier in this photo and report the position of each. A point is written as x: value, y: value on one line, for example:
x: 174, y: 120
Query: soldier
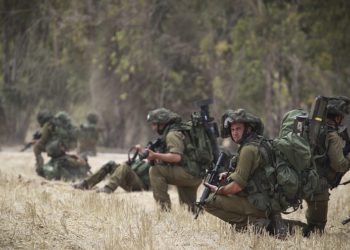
x: 56, y: 138
x: 88, y: 136
x: 131, y: 176
x: 171, y: 161
x: 331, y: 166
x: 233, y: 201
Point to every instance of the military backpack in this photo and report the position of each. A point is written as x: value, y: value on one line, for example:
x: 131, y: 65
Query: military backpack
x: 198, y: 155
x: 64, y: 136
x: 289, y: 174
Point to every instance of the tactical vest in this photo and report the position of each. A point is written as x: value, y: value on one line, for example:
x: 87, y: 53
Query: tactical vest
x: 190, y: 158
x: 141, y: 168
x: 328, y: 176
x: 259, y: 189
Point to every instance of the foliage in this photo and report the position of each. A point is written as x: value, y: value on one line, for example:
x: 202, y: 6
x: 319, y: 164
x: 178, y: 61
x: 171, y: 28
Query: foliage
x: 122, y: 58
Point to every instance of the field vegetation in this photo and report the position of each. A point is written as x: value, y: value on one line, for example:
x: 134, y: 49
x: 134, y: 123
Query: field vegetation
x: 40, y: 214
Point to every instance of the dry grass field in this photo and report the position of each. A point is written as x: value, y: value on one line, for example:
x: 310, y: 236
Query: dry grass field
x: 40, y: 214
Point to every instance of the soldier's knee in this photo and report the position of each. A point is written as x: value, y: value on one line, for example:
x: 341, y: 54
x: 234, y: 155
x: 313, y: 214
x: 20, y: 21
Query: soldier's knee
x: 124, y: 167
x: 153, y: 171
x: 109, y: 167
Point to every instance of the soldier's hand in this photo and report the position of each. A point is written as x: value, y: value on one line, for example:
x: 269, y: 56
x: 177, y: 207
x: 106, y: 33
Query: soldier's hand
x: 222, y: 176
x: 211, y: 187
x: 139, y: 148
x: 151, y: 155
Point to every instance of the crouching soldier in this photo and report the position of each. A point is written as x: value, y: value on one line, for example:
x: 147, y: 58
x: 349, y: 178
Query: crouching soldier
x: 88, y: 136
x: 331, y: 166
x: 172, y: 161
x: 57, y: 136
x: 233, y: 201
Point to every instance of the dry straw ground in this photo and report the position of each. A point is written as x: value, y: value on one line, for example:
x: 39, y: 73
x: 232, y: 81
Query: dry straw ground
x: 40, y: 214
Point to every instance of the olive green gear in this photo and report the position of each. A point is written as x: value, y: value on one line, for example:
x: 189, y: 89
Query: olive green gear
x: 92, y: 118
x: 338, y: 105
x: 240, y: 116
x: 64, y: 117
x: 163, y: 116
x: 44, y: 116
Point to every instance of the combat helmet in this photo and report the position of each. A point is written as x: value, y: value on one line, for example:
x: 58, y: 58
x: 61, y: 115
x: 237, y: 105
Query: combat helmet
x: 338, y: 106
x: 240, y: 116
x: 44, y: 116
x: 92, y: 118
x: 63, y: 117
x: 163, y: 116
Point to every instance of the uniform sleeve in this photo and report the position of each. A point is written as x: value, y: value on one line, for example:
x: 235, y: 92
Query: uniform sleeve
x: 41, y: 143
x: 338, y: 162
x: 175, y: 142
x: 248, y: 161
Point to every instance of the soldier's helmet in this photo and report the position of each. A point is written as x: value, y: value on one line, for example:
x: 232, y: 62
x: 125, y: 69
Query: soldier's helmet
x: 92, y: 118
x: 44, y: 116
x: 338, y: 106
x: 240, y: 116
x: 63, y: 117
x: 163, y: 116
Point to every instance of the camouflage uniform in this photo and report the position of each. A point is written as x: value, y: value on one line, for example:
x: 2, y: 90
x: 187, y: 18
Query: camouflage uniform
x: 130, y: 178
x: 328, y: 167
x: 61, y: 165
x: 163, y: 173
x: 237, y: 209
x: 88, y: 136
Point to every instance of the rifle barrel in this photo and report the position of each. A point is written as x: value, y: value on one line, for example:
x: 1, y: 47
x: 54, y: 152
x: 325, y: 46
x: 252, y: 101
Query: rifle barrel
x: 346, y: 221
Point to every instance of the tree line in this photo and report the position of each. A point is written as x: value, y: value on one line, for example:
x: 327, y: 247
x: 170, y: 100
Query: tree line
x: 123, y: 58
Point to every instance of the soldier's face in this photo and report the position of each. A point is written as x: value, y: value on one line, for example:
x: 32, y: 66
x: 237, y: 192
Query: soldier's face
x: 157, y: 127
x: 237, y: 130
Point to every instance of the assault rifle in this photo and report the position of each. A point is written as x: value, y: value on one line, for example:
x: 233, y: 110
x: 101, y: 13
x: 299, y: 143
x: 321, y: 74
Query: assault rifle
x: 133, y: 152
x: 346, y: 221
x: 36, y: 136
x: 210, y: 126
x: 212, y: 178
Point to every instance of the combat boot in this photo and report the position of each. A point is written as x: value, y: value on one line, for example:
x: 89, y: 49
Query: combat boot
x: 260, y: 225
x: 312, y: 228
x: 83, y: 185
x: 105, y: 189
x: 39, y: 171
x: 279, y: 227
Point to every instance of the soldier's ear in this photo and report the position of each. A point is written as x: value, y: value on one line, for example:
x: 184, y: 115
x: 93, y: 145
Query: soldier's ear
x: 339, y: 119
x: 249, y: 129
